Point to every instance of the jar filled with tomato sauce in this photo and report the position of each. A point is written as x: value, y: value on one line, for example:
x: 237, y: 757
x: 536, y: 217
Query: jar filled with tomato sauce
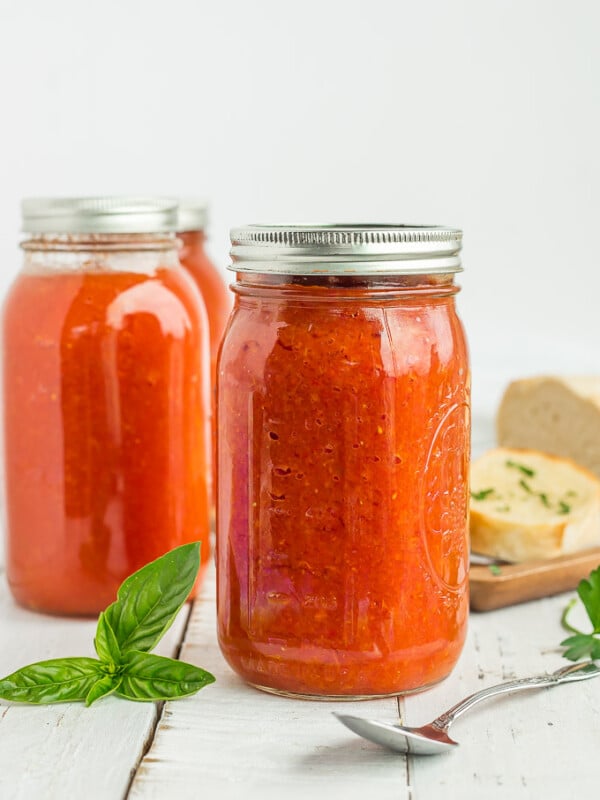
x: 106, y: 401
x: 192, y: 221
x: 343, y: 447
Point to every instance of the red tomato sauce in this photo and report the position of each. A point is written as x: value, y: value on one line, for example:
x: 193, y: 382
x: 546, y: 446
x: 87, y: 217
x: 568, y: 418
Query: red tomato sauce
x: 216, y: 297
x: 105, y: 432
x: 343, y: 485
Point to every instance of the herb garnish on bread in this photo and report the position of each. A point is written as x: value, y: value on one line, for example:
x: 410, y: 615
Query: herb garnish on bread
x: 527, y: 505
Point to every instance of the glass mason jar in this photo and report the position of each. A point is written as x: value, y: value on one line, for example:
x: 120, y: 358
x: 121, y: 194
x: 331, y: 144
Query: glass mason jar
x: 343, y: 424
x: 106, y: 401
x: 192, y: 254
x: 217, y: 298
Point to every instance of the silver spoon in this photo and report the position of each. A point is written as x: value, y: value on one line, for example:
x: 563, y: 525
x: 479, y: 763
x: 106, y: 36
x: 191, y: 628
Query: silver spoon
x: 433, y: 738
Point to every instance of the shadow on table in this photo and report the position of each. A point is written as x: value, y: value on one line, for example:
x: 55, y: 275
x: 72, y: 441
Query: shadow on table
x: 356, y: 753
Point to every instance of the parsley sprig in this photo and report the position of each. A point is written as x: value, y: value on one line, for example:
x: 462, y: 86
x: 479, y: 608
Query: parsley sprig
x: 146, y: 606
x: 530, y: 473
x: 482, y: 494
x: 584, y: 645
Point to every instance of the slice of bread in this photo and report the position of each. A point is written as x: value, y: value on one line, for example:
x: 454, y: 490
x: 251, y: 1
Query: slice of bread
x: 527, y: 505
x: 555, y: 415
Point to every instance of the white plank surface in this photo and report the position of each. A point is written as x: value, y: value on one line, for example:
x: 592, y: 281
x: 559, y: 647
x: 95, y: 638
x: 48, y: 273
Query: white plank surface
x: 67, y: 750
x: 231, y: 739
x: 538, y: 744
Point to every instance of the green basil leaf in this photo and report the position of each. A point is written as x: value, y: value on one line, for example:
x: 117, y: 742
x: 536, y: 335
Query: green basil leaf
x: 103, y: 687
x: 149, y: 677
x: 589, y: 591
x: 149, y: 600
x: 105, y: 641
x: 579, y: 646
x: 59, y: 680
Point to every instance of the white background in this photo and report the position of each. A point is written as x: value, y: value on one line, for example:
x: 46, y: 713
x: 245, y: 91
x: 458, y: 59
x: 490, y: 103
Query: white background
x: 483, y: 114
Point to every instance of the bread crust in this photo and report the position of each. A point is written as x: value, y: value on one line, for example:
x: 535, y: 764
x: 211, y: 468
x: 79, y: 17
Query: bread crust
x: 516, y: 516
x: 553, y: 414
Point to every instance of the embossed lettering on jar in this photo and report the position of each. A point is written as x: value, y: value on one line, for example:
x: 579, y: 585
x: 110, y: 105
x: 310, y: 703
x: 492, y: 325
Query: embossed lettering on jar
x: 343, y: 461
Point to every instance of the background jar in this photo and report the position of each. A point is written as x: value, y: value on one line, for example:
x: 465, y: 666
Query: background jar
x: 106, y: 401
x: 192, y: 221
x: 343, y: 422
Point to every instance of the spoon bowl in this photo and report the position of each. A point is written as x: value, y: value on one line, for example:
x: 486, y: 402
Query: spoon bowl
x: 427, y: 740
x: 433, y: 738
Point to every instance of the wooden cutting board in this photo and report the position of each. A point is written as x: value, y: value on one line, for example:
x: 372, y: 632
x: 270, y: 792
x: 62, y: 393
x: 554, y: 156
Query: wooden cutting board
x: 517, y: 583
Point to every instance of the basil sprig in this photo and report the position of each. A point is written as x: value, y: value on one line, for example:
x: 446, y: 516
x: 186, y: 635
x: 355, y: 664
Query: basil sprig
x: 56, y: 681
x: 150, y: 599
x: 146, y: 605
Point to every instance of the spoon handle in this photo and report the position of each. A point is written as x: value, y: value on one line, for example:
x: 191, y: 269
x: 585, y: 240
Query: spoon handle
x: 572, y: 672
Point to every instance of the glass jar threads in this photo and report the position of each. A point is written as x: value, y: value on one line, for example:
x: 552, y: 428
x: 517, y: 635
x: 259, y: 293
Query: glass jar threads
x: 343, y: 419
x: 106, y: 401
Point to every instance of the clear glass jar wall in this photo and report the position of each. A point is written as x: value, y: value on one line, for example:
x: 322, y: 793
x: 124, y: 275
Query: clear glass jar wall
x: 106, y: 410
x: 343, y: 475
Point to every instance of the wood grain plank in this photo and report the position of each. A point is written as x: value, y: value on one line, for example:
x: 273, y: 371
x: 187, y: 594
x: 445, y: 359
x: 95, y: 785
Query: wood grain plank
x: 531, y: 580
x: 66, y: 750
x: 231, y: 741
x: 533, y: 745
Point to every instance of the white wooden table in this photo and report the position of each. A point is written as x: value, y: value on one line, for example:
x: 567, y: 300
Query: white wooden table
x: 230, y: 741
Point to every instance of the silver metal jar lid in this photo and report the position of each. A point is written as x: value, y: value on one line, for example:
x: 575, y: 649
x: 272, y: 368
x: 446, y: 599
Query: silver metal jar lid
x: 346, y: 249
x: 111, y: 214
x: 193, y: 214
